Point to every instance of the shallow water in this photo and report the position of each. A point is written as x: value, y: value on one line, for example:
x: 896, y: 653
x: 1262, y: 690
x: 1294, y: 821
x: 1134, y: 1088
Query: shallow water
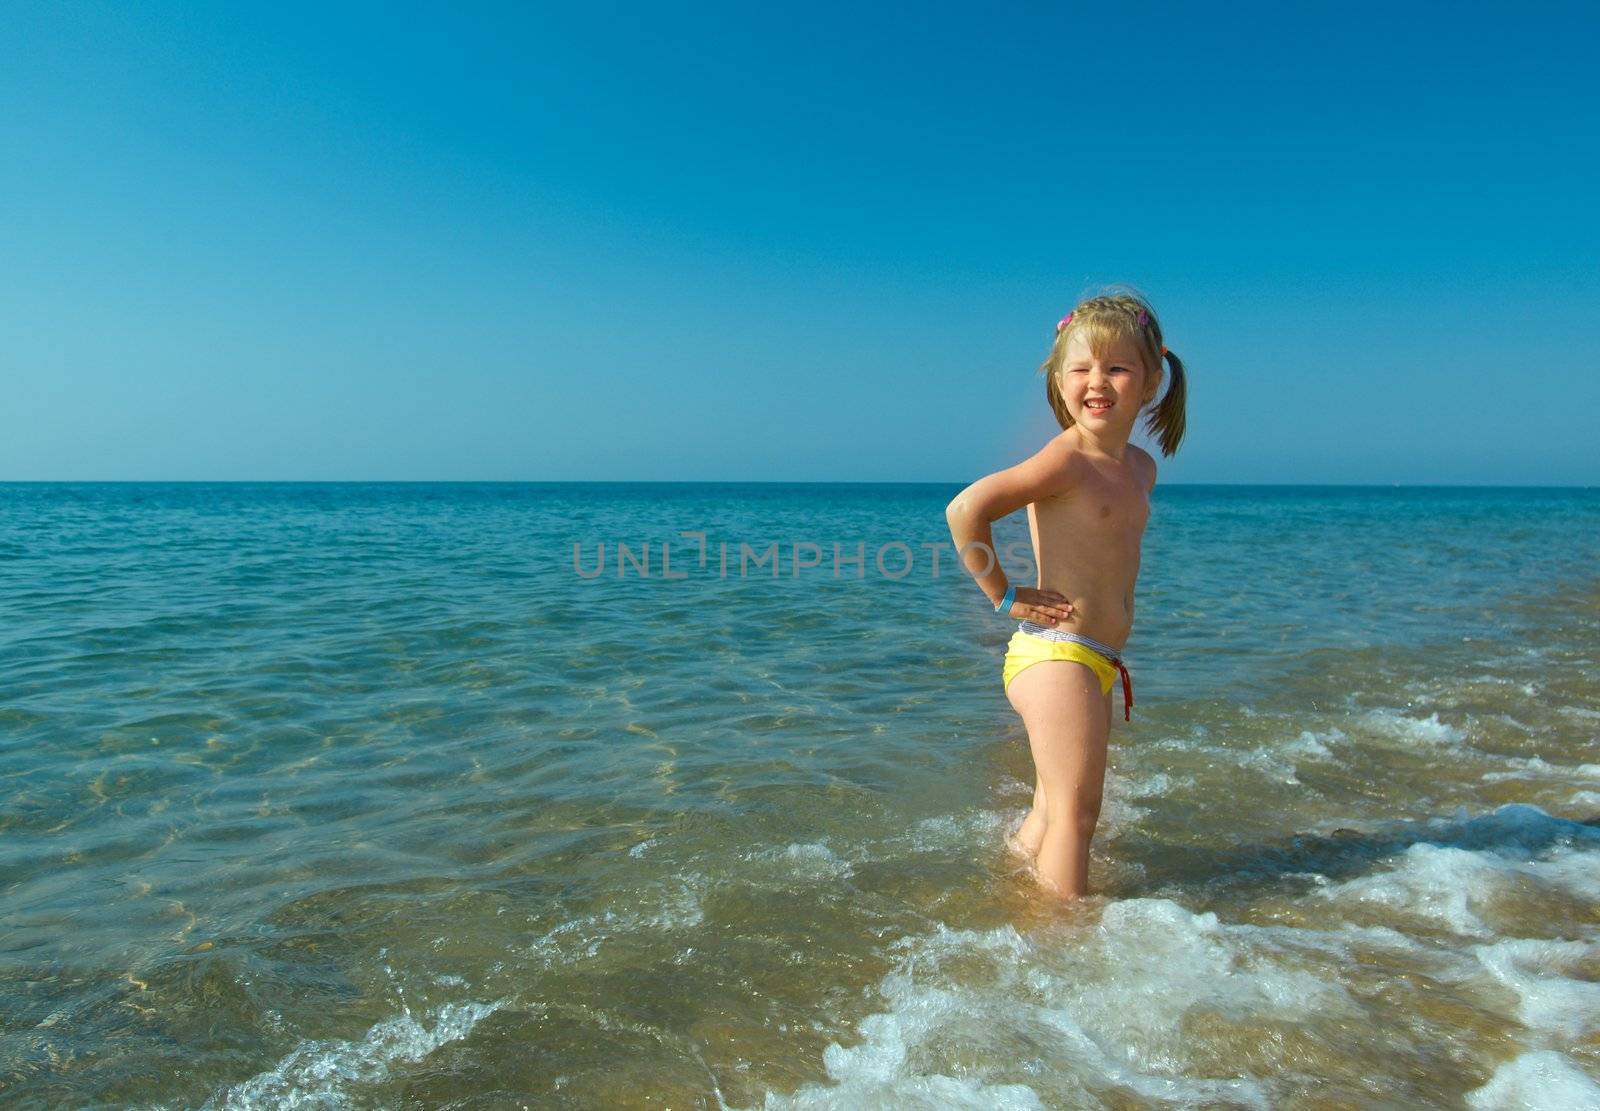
x: 361, y: 796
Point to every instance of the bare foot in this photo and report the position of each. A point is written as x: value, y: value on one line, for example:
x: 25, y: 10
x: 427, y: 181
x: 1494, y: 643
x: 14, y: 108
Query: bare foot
x: 1026, y: 838
x: 1017, y: 847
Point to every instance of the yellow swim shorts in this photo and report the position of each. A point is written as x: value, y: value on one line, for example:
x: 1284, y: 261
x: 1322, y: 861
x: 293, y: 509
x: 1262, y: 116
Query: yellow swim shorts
x: 1028, y: 648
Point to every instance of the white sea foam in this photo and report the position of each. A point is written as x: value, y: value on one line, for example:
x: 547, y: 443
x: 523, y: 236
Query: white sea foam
x: 1310, y: 743
x: 663, y: 907
x: 972, y: 830
x: 953, y: 831
x: 672, y: 906
x: 1545, y: 975
x: 319, y: 1073
x: 1533, y: 767
x: 1010, y: 784
x: 1278, y: 760
x: 1453, y: 691
x: 1456, y: 887
x: 1127, y: 786
x: 1428, y: 730
x: 1268, y: 760
x: 1117, y: 815
x: 1574, y: 871
x: 1281, y: 760
x: 1088, y: 1013
x: 1537, y: 1080
x: 813, y: 860
x: 1519, y: 726
x: 1074, y: 1015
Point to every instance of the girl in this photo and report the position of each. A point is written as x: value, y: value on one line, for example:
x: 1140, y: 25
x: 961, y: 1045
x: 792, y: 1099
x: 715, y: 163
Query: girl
x: 1087, y: 494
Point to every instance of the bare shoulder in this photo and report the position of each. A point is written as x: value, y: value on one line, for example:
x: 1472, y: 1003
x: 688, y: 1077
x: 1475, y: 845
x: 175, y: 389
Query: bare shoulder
x: 1049, y: 472
x: 1065, y: 460
x: 1145, y: 464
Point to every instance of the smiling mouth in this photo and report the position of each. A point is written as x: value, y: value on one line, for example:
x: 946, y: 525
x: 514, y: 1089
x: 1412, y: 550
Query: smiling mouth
x: 1097, y: 405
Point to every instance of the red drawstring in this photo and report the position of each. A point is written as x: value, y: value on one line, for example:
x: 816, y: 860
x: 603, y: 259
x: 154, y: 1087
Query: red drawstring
x: 1127, y: 693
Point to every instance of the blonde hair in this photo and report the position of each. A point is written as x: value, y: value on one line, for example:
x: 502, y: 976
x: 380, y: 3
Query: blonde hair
x: 1119, y: 314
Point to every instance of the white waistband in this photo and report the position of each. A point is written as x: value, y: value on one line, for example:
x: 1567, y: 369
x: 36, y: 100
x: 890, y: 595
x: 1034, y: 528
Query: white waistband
x: 1045, y: 631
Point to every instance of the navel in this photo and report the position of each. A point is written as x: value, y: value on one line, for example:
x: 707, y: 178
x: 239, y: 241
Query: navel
x: 1105, y: 511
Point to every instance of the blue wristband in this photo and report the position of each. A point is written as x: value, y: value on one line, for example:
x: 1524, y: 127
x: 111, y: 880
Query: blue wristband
x: 1004, y: 604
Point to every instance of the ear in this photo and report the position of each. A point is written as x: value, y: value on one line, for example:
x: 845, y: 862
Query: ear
x: 1155, y: 378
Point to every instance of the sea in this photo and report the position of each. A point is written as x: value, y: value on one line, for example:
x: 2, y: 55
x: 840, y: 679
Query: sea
x: 658, y: 795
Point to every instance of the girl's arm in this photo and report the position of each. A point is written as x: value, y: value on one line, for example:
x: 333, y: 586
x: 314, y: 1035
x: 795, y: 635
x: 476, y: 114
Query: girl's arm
x: 998, y: 495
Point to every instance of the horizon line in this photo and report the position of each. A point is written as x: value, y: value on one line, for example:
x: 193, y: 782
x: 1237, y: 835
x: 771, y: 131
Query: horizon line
x: 742, y: 482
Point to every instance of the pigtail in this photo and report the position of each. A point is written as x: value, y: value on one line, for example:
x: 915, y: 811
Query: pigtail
x: 1166, y: 421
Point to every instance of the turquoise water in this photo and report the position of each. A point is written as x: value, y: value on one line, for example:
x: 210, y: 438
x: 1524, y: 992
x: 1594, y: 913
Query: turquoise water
x: 363, y: 795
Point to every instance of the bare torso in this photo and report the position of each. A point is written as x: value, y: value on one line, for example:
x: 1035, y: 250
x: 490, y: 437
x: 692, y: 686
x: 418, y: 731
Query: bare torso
x: 1086, y: 542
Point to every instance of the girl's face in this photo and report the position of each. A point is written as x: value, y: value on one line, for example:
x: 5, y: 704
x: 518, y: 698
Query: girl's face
x: 1105, y: 392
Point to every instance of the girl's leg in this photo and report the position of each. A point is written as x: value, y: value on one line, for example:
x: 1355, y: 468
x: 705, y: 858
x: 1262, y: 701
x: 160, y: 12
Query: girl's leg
x: 1030, y: 835
x: 1065, y: 713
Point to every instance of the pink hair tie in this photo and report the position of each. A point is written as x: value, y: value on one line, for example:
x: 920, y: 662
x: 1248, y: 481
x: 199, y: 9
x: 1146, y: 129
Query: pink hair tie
x: 1144, y: 318
x: 1063, y: 322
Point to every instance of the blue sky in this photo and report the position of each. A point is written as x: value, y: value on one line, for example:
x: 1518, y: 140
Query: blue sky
x: 819, y: 243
